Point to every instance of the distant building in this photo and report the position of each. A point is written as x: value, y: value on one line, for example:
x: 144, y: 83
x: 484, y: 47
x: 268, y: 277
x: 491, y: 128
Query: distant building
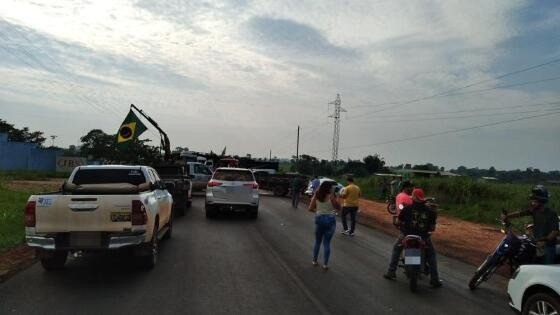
x: 26, y: 156
x: 422, y: 173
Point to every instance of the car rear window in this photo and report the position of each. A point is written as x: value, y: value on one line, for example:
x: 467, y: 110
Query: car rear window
x: 234, y: 175
x: 109, y: 176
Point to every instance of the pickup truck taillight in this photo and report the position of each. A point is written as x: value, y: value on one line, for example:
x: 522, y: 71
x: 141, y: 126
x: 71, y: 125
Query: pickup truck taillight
x: 29, y: 214
x: 139, y: 216
x: 213, y: 183
x: 253, y: 185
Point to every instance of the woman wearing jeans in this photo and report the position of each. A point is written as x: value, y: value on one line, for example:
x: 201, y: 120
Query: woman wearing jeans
x: 324, y: 204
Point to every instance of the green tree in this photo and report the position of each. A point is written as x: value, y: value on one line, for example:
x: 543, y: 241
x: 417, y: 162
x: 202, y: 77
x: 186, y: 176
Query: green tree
x: 21, y: 135
x: 373, y: 163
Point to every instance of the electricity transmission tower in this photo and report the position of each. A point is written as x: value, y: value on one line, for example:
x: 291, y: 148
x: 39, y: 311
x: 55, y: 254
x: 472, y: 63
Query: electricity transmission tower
x: 336, y: 134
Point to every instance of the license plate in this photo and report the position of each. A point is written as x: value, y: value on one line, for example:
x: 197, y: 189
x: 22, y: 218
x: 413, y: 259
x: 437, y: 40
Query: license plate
x: 85, y: 239
x: 412, y: 256
x: 120, y: 217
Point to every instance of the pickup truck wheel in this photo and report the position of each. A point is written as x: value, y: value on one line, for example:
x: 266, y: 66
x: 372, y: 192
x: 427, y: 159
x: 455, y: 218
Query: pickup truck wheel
x: 210, y: 211
x: 150, y: 260
x: 54, y: 260
x: 253, y: 213
x: 179, y: 207
x: 169, y: 228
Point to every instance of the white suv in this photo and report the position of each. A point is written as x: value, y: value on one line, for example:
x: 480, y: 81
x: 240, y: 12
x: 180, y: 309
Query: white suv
x: 232, y: 189
x: 535, y: 289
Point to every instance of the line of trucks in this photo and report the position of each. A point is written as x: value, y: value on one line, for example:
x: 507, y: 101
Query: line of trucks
x: 114, y: 207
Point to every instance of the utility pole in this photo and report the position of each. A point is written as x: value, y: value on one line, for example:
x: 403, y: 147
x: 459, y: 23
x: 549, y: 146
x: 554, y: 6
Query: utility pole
x: 52, y: 139
x: 336, y: 133
x: 270, y: 155
x: 297, y: 148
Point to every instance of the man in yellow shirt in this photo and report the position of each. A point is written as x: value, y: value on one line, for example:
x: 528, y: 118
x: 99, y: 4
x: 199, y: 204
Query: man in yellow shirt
x: 350, y: 196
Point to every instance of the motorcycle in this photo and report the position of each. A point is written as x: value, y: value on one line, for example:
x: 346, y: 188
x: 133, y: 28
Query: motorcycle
x: 414, y: 259
x: 512, y: 249
x: 391, y: 206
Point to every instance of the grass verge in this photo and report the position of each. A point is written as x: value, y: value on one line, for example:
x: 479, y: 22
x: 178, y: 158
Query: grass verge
x: 469, y: 198
x: 12, y: 203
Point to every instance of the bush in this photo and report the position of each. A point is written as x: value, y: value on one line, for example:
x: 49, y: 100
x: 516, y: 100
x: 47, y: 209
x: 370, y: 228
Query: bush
x: 469, y: 198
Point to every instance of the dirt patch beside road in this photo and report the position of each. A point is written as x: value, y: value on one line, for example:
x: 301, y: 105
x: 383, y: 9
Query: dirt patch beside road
x: 14, y: 260
x: 34, y: 185
x: 469, y: 242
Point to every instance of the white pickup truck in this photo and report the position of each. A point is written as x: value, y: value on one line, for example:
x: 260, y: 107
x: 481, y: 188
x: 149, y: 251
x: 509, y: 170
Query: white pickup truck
x: 105, y: 207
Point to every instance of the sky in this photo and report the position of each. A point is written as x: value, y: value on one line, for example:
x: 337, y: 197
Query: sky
x: 473, y: 83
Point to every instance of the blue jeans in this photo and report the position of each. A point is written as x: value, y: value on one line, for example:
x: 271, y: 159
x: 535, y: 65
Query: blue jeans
x: 325, y: 225
x: 352, y: 211
x: 549, y: 254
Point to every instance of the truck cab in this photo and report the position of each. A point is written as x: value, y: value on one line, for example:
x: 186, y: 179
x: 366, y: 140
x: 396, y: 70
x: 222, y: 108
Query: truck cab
x: 200, y: 174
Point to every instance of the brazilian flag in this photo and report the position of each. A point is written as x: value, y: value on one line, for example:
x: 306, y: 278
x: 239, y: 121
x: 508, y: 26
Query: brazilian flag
x: 131, y: 128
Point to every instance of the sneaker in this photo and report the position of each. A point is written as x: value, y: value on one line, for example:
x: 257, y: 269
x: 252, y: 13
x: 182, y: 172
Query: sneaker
x: 325, y: 267
x: 436, y: 283
x: 390, y: 275
x: 347, y: 232
x: 315, y: 263
x: 350, y: 233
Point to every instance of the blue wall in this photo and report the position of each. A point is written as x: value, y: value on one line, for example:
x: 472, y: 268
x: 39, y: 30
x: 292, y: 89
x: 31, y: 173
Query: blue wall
x: 26, y: 156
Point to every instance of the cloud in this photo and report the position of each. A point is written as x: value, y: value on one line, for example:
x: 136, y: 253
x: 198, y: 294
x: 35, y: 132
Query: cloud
x: 286, y: 36
x: 260, y: 68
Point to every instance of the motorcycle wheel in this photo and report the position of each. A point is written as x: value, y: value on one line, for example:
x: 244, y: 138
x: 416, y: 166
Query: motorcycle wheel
x: 391, y: 208
x: 413, y: 284
x: 483, y: 272
x: 413, y: 272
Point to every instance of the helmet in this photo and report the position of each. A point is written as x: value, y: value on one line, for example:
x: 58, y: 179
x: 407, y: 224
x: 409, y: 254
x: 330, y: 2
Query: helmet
x: 539, y: 193
x: 418, y: 194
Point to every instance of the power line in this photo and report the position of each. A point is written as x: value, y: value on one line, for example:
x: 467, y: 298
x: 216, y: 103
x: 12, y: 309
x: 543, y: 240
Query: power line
x: 459, y: 117
x: 485, y: 109
x: 398, y: 104
x: 445, y: 132
x: 505, y: 86
x: 446, y: 95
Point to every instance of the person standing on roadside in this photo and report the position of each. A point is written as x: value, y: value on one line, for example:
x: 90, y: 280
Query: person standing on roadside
x: 296, y: 186
x: 315, y: 182
x: 350, y: 197
x: 395, y: 184
x: 383, y: 188
x: 325, y: 205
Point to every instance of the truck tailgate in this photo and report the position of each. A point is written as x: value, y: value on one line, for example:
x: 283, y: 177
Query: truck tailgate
x: 69, y: 213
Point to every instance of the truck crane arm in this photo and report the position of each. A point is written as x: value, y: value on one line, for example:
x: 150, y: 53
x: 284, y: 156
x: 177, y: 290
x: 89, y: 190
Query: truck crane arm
x: 164, y: 138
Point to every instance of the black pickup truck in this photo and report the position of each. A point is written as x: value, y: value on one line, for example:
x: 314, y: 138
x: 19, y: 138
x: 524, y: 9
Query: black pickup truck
x: 178, y: 184
x: 279, y: 184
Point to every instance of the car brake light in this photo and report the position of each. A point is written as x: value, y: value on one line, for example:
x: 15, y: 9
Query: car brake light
x: 29, y: 214
x: 253, y: 185
x: 139, y: 215
x: 214, y: 183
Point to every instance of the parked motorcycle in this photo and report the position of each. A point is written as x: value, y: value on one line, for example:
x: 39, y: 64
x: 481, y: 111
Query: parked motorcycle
x: 414, y: 259
x: 512, y: 250
x: 391, y: 207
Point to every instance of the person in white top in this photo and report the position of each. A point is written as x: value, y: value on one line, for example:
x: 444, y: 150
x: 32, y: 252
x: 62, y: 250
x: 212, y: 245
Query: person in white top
x: 325, y: 205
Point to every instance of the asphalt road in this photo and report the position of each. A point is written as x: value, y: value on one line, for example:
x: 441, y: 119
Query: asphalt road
x: 232, y: 265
